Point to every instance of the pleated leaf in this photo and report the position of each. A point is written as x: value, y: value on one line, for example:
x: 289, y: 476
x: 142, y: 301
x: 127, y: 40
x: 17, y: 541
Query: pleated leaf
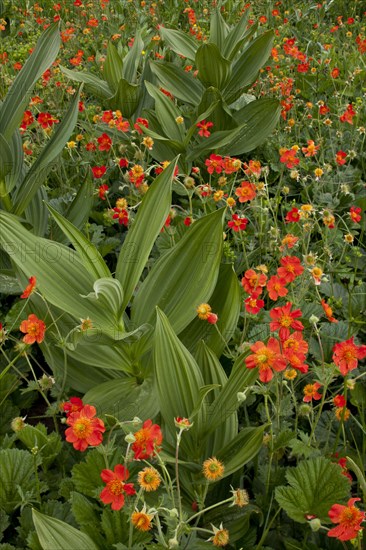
x: 6, y: 160
x: 96, y: 85
x: 180, y: 42
x: 126, y: 98
x: 243, y: 448
x: 132, y: 59
x: 213, y: 68
x: 221, y: 115
x: 77, y: 211
x: 40, y: 168
x: 166, y: 113
x: 184, y: 277
x: 218, y: 29
x: 89, y: 255
x: 17, y: 98
x: 55, y: 534
x: 215, y: 141
x: 113, y: 66
x: 141, y: 236
x: 235, y: 35
x: 180, y: 83
x: 17, y: 156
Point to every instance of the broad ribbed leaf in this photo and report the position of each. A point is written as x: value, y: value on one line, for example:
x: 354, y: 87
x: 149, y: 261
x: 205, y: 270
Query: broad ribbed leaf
x: 36, y: 212
x: 17, y: 470
x: 180, y: 42
x: 166, y: 113
x: 89, y: 255
x: 214, y: 141
x: 180, y: 83
x: 40, y: 168
x: 78, y: 211
x: 227, y: 401
x: 6, y: 160
x: 96, y: 85
x: 259, y: 119
x: 213, y: 69
x: 18, y: 168
x: 226, y: 303
x: 141, y: 236
x: 184, y: 277
x: 17, y: 98
x: 132, y: 59
x: 178, y: 380
x: 125, y: 399
x: 243, y: 448
x: 315, y: 485
x: 245, y: 70
x: 218, y: 29
x: 235, y: 35
x: 55, y: 534
x: 221, y: 116
x: 108, y: 293
x: 113, y: 66
x: 126, y: 98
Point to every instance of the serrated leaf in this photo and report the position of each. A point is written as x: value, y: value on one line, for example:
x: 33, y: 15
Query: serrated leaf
x: 17, y: 469
x: 314, y: 486
x: 86, y: 475
x: 55, y: 534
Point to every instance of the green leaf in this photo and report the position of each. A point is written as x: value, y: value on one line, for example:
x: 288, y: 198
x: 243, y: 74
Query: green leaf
x: 78, y: 211
x: 17, y: 470
x: 55, y: 534
x: 17, y: 156
x: 180, y: 42
x: 113, y: 66
x: 235, y: 36
x: 97, y: 86
x: 125, y: 399
x: 141, y: 236
x: 87, y: 517
x: 226, y: 303
x: 86, y: 475
x: 314, y: 486
x: 243, y: 448
x: 6, y: 159
x: 178, y: 381
x: 36, y: 212
x: 40, y: 168
x: 166, y: 113
x: 218, y: 29
x: 126, y: 98
x: 245, y: 70
x: 132, y: 59
x: 17, y: 98
x: 184, y: 277
x: 89, y: 255
x: 108, y: 293
x: 259, y: 119
x: 221, y: 115
x: 213, y: 69
x: 215, y: 141
x: 180, y: 83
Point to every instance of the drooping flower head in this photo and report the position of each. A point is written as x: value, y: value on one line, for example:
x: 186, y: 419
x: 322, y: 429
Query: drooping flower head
x: 30, y: 288
x: 116, y: 488
x: 142, y: 520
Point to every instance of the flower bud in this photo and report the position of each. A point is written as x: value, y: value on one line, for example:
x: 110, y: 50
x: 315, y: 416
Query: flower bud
x: 315, y: 524
x: 130, y: 438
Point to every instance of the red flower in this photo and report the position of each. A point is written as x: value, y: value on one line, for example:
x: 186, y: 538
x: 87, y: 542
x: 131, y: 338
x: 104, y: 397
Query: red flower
x: 293, y: 215
x: 253, y: 282
x: 85, y: 430
x: 204, y: 128
x: 311, y: 150
x: 187, y: 221
x: 147, y: 440
x: 346, y: 355
x: 105, y: 142
x: 295, y: 344
x: 212, y: 318
x: 328, y: 312
x: 340, y: 158
x: 214, y: 164
x: 253, y: 304
x: 276, y: 288
x: 348, y: 115
x: 102, y: 191
x: 34, y: 329
x: 237, y: 224
x: 140, y: 122
x: 323, y: 110
x: 75, y: 404
x: 291, y: 268
x: 99, y: 171
x: 121, y: 215
x: 107, y: 116
x: 46, y: 120
x: 27, y: 120
x: 339, y: 401
x: 123, y: 163
x: 335, y: 72
x: 355, y: 213
x: 311, y: 392
x: 253, y: 168
x: 113, y: 492
x: 349, y: 519
x: 284, y: 319
x: 288, y: 157
x: 30, y: 288
x: 266, y: 357
x: 246, y: 192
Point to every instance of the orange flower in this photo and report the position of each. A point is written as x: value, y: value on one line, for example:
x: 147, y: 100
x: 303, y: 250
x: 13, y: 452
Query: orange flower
x: 276, y: 288
x: 253, y: 304
x: 311, y: 392
x: 328, y: 312
x: 213, y: 469
x: 284, y: 319
x: 114, y: 491
x: 246, y: 192
x: 346, y: 355
x: 311, y: 149
x: 253, y: 282
x: 342, y: 413
x: 253, y: 168
x: 30, y: 288
x: 289, y: 240
x: 149, y: 479
x: 288, y: 156
x: 147, y: 440
x: 203, y: 311
x: 75, y: 404
x: 142, y: 520
x: 349, y: 519
x: 221, y: 536
x: 266, y: 357
x: 34, y: 329
x: 291, y: 268
x: 85, y: 430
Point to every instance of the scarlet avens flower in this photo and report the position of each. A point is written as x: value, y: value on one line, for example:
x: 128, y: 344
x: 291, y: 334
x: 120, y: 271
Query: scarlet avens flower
x: 34, y: 329
x: 276, y: 287
x: 149, y: 479
x: 213, y: 469
x: 355, y: 214
x: 339, y: 401
x: 311, y: 392
x: 142, y: 520
x: 349, y: 519
x: 340, y: 158
x: 253, y: 304
x: 288, y: 156
x: 105, y: 142
x: 203, y: 311
x: 147, y: 440
x: 85, y: 428
x: 293, y: 215
x: 214, y: 164
x: 30, y: 288
x: 253, y: 282
x: 99, y: 171
x: 204, y: 128
x: 328, y: 312
x: 246, y: 192
x: 116, y: 488
x: 283, y: 319
x: 290, y: 268
x: 265, y: 358
x: 237, y: 224
x: 346, y: 355
x: 74, y: 404
x: 311, y: 149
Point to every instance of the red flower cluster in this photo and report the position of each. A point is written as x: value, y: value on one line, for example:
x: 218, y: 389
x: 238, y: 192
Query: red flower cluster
x: 348, y: 115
